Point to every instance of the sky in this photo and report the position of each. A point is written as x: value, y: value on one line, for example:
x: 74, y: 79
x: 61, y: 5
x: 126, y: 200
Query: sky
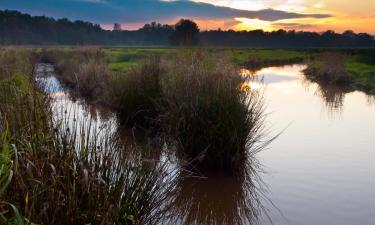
x: 307, y: 15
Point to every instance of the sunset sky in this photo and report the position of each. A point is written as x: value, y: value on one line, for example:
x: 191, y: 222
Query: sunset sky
x: 311, y: 15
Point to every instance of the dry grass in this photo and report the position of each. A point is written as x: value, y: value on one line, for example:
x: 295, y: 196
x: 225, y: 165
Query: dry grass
x: 329, y: 67
x: 84, y: 71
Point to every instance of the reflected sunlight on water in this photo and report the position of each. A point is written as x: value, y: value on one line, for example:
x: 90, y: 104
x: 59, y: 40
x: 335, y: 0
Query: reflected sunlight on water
x: 320, y: 170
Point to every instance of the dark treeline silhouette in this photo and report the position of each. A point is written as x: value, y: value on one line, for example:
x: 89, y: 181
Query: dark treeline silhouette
x: 286, y: 39
x: 22, y: 29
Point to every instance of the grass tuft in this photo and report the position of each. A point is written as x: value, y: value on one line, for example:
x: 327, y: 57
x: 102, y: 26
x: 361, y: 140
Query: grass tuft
x: 134, y: 94
x: 205, y: 110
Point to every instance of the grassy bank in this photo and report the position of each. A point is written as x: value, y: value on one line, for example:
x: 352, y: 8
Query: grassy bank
x: 121, y: 59
x: 352, y: 70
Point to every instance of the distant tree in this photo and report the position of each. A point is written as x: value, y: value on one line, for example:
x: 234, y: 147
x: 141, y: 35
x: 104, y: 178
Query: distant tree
x: 185, y: 33
x: 349, y: 34
x: 117, y: 27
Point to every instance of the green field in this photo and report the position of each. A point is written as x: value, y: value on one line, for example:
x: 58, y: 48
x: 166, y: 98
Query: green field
x: 361, y: 73
x: 121, y: 59
x: 359, y: 65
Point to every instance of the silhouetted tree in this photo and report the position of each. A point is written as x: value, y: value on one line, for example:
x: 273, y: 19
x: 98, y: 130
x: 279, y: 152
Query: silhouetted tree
x: 185, y: 33
x: 117, y: 27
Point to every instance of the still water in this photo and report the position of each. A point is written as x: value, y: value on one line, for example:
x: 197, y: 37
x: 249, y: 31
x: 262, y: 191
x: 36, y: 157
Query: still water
x: 320, y: 170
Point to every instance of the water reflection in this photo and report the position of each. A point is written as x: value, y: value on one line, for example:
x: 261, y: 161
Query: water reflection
x: 333, y: 95
x: 289, y: 79
x: 220, y: 199
x: 371, y: 100
x: 74, y: 116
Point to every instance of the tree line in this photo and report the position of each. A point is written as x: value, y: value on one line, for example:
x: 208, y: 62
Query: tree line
x: 17, y: 28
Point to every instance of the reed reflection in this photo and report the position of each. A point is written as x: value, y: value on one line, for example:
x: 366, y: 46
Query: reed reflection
x: 221, y: 199
x: 332, y: 95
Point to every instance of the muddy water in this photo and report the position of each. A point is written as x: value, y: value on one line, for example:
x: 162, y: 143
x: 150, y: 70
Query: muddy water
x: 319, y: 171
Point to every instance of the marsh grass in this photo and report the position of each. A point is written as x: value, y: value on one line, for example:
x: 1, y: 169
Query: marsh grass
x: 134, y: 95
x: 84, y: 71
x: 329, y: 67
x: 15, y: 61
x: 55, y: 172
x: 213, y: 121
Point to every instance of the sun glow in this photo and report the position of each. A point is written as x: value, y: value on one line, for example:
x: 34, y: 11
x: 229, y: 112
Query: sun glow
x: 345, y: 15
x: 253, y: 24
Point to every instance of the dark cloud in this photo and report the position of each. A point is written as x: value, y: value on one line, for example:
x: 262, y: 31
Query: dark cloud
x: 110, y: 11
x: 294, y: 26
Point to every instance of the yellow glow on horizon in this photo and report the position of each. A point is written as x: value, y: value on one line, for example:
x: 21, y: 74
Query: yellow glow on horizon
x: 345, y: 15
x: 253, y: 24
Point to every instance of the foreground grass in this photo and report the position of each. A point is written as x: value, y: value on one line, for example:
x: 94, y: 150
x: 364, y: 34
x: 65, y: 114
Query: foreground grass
x: 56, y: 172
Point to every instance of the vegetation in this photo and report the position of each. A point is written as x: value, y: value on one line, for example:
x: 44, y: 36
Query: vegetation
x: 134, y: 95
x: 204, y: 109
x: 196, y: 99
x: 185, y: 33
x: 355, y: 70
x: 55, y: 172
x: 123, y: 59
x: 329, y: 68
x: 84, y: 71
x: 23, y: 29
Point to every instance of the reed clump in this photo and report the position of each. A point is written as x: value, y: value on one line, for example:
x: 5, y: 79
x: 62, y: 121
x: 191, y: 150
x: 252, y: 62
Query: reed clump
x: 15, y: 61
x: 134, y: 94
x: 204, y: 109
x: 329, y: 67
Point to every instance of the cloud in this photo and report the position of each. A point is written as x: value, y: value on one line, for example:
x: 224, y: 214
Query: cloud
x: 294, y: 26
x: 133, y: 11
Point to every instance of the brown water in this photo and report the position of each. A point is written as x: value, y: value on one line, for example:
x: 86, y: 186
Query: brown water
x: 321, y: 170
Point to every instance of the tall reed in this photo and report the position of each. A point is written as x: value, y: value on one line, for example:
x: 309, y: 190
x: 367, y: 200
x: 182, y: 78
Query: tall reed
x: 56, y: 172
x: 329, y: 67
x: 134, y: 94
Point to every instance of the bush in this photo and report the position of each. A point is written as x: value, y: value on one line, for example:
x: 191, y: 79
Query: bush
x: 205, y: 110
